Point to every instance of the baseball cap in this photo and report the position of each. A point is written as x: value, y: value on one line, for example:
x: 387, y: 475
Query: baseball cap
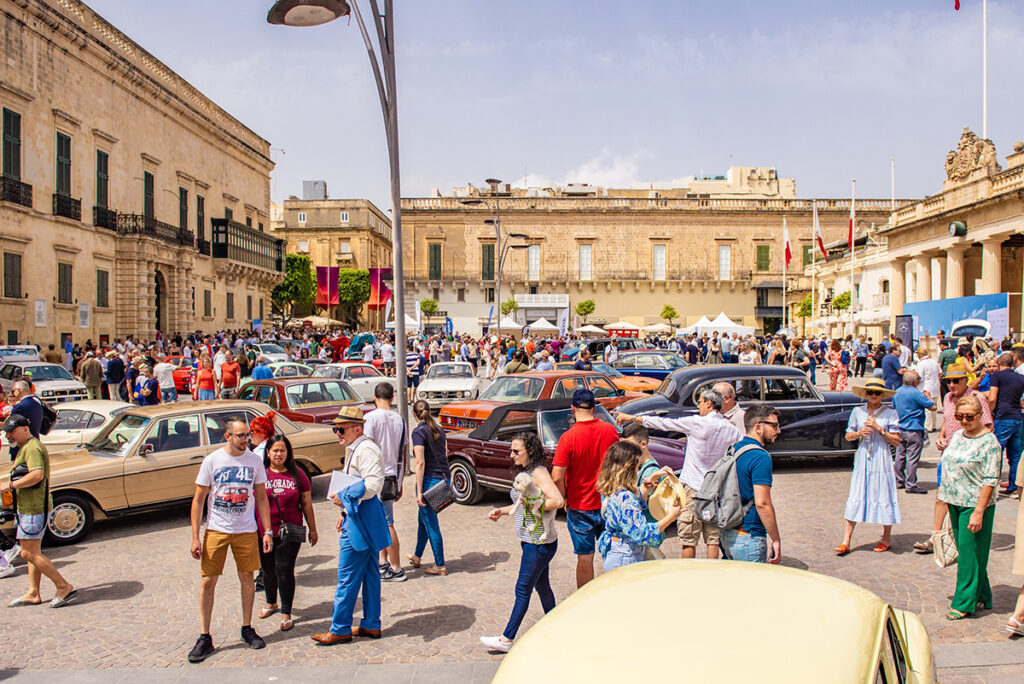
x: 583, y: 398
x: 15, y: 420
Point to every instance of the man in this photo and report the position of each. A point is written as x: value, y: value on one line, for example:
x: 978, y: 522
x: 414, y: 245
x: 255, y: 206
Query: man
x: 692, y: 352
x: 928, y: 369
x: 518, y: 363
x: 727, y: 345
x: 262, y: 370
x: 749, y: 541
x: 149, y: 388
x: 910, y: 404
x: 415, y: 365
x: 91, y: 372
x: 115, y: 374
x: 577, y: 463
x: 52, y: 355
x: 33, y: 512
x: 730, y: 409
x: 387, y: 358
x: 31, y: 409
x: 611, y: 353
x: 861, y: 351
x: 892, y: 369
x: 708, y: 436
x: 219, y: 359
x: 69, y: 349
x: 800, y: 358
x: 545, y: 362
x: 164, y: 373
x: 583, y: 363
x: 387, y: 430
x: 904, y: 354
x: 230, y: 373
x: 231, y: 480
x: 1004, y: 394
x: 368, y: 353
x: 364, y: 533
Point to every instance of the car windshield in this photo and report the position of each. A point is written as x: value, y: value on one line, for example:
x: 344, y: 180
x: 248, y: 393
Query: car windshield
x: 19, y: 353
x: 117, y: 438
x: 607, y: 370
x: 553, y: 424
x: 53, y: 372
x: 327, y: 372
x: 674, y: 361
x: 447, y: 371
x: 270, y: 349
x: 292, y: 371
x: 319, y: 394
x: 512, y: 388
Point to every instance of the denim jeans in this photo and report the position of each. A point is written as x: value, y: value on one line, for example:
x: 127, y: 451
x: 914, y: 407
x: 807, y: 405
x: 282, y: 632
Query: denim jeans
x: 533, y: 574
x: 429, y: 529
x: 741, y: 546
x: 622, y: 553
x: 203, y: 394
x: 1008, y: 432
x: 168, y: 395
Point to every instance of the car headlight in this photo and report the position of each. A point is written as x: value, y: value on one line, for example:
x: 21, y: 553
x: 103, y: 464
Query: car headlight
x: 47, y: 393
x: 467, y: 393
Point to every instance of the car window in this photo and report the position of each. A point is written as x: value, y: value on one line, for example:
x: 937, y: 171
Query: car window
x: 371, y: 372
x: 171, y: 434
x: 118, y: 437
x: 896, y: 647
x: 747, y: 389
x: 513, y: 388
x: 70, y: 419
x: 553, y: 425
x: 6, y: 371
x: 513, y: 423
x: 318, y: 394
x: 248, y: 393
x: 97, y: 419
x: 601, y: 387
x: 673, y: 361
x: 625, y: 362
x: 268, y: 395
x: 328, y: 372
x: 646, y: 361
x: 216, y: 423
x: 787, y: 389
x: 356, y: 372
x: 49, y: 372
x: 565, y: 387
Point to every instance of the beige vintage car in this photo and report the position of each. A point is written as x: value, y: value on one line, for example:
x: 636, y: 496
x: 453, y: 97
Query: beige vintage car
x: 148, y: 457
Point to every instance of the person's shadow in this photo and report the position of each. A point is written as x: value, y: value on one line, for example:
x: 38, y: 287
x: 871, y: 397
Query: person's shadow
x: 478, y: 562
x: 433, y: 622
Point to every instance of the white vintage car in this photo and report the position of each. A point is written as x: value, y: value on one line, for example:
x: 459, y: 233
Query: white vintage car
x: 448, y: 382
x: 363, y: 377
x: 77, y: 423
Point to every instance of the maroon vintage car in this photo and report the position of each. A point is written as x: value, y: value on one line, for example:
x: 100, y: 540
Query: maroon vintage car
x: 305, y: 400
x: 480, y: 459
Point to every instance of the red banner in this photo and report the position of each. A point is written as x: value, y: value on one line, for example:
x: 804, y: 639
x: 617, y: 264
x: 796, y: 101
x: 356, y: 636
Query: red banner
x: 379, y: 292
x: 327, y: 285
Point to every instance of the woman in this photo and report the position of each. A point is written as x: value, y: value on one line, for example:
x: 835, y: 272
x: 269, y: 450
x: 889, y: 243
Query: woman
x: 1015, y: 624
x: 626, y: 531
x: 748, y: 354
x: 836, y: 367
x: 714, y: 351
x: 970, y: 472
x: 536, y: 537
x: 777, y: 355
x: 207, y: 386
x: 291, y: 500
x: 261, y: 429
x: 877, y: 358
x: 430, y: 465
x: 872, y: 496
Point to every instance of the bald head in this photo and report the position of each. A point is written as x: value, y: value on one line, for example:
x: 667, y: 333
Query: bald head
x: 1006, y: 360
x: 911, y: 378
x: 728, y: 393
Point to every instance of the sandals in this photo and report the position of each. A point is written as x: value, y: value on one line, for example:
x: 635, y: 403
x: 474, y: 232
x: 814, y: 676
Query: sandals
x: 59, y: 602
x: 881, y: 547
x: 267, y: 611
x: 842, y: 550
x: 19, y: 602
x: 1016, y: 627
x: 287, y: 624
x: 414, y: 561
x: 437, y: 572
x: 925, y: 546
x: 954, y: 614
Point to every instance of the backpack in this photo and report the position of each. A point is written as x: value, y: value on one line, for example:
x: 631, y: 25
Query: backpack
x: 718, y: 502
x: 844, y: 358
x: 49, y: 417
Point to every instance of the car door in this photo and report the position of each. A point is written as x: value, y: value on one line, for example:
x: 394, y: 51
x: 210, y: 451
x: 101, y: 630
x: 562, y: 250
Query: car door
x: 605, y: 392
x: 807, y: 426
x: 626, y: 365
x: 646, y: 366
x: 360, y: 380
x: 565, y: 387
x: 164, y: 464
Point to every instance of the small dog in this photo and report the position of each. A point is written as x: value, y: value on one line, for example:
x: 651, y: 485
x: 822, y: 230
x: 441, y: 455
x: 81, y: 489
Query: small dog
x: 531, y: 499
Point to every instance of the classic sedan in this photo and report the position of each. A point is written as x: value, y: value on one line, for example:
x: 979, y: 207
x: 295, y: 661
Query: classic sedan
x: 53, y: 383
x: 629, y: 383
x: 479, y: 459
x: 148, y: 457
x: 597, y: 346
x: 182, y: 372
x: 272, y: 352
x: 831, y: 630
x: 649, y: 364
x: 530, y: 386
x: 283, y: 369
x: 448, y: 382
x: 77, y: 423
x: 363, y: 377
x: 813, y: 423
x: 305, y: 400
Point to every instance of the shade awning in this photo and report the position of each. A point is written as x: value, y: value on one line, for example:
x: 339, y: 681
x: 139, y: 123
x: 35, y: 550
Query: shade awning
x: 542, y: 324
x: 621, y: 325
x: 658, y: 327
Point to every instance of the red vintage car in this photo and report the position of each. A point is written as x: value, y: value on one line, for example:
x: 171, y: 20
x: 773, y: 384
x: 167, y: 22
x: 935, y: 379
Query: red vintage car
x: 182, y: 372
x: 304, y: 400
x: 531, y: 386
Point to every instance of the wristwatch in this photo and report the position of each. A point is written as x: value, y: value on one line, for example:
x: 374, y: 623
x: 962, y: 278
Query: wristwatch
x: 268, y: 533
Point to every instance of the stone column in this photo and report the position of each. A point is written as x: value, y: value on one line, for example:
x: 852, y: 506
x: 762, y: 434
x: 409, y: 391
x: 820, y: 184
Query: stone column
x: 938, y: 284
x: 897, y: 290
x: 955, y: 272
x: 923, y: 281
x: 991, y: 265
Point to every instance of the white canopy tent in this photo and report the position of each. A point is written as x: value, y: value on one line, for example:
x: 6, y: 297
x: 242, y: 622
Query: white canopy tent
x: 621, y: 325
x: 542, y: 325
x: 410, y: 324
x: 658, y: 328
x: 507, y: 323
x: 591, y: 330
x: 722, y: 324
x: 696, y: 327
x: 315, y: 321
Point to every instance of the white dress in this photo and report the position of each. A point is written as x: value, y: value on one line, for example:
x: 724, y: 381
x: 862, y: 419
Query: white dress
x: 872, y: 496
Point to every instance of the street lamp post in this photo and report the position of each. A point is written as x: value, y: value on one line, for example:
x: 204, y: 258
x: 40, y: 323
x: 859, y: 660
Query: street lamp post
x: 315, y: 13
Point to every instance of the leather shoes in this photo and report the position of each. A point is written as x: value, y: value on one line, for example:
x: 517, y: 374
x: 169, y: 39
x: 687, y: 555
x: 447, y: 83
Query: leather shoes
x: 371, y: 633
x: 330, y: 638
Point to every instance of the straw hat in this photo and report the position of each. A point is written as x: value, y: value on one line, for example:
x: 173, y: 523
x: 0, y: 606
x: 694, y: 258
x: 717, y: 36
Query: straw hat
x: 955, y: 371
x: 349, y: 414
x: 873, y: 384
x: 668, y: 493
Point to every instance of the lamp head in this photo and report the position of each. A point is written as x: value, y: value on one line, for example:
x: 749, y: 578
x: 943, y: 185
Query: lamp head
x: 492, y: 182
x: 519, y: 236
x: 307, y: 12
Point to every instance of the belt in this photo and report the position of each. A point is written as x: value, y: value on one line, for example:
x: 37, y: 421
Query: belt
x: 740, y: 530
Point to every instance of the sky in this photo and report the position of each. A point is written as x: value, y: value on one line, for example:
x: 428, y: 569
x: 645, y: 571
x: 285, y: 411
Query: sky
x: 617, y: 94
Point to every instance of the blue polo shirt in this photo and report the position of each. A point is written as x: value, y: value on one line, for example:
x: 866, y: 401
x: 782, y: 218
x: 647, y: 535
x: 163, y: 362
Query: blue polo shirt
x: 910, y: 404
x: 890, y: 372
x: 262, y: 372
x: 752, y: 468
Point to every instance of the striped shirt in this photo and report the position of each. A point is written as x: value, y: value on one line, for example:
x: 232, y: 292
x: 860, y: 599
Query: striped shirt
x: 412, y: 362
x: 707, y: 439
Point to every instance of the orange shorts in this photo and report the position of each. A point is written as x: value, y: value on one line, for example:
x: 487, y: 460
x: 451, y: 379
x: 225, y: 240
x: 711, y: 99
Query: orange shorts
x: 245, y: 548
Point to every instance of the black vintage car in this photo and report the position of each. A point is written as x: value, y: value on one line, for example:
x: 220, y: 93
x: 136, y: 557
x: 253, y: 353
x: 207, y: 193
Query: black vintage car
x: 813, y: 422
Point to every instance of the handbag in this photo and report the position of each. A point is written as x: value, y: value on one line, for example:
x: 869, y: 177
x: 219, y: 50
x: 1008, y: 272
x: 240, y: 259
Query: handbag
x: 944, y: 548
x: 440, y: 496
x: 389, y: 492
x: 288, y: 532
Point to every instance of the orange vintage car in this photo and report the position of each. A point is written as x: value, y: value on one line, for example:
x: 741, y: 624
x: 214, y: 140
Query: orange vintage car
x: 629, y: 383
x: 530, y: 386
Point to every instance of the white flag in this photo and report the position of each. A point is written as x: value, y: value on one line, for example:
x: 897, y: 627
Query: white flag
x: 563, y: 323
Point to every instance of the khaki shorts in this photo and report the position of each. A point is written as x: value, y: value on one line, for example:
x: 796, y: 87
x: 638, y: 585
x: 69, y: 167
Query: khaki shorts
x: 690, y: 528
x: 245, y: 548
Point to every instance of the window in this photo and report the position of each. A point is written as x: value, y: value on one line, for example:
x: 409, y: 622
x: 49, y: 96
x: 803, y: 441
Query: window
x: 787, y: 389
x: 586, y: 263
x: 200, y: 217
x: 764, y: 257
x: 346, y: 247
x: 231, y: 306
x: 601, y: 388
x: 12, y: 145
x: 148, y: 207
x: 171, y: 434
x: 434, y: 261
x: 261, y: 226
x: 63, y: 165
x: 302, y: 217
x: 102, y: 178
x: 533, y: 262
x: 344, y: 217
x: 461, y: 294
x: 102, y: 288
x: 183, y: 208
x: 12, y: 337
x: 487, y: 261
x: 659, y: 257
x: 725, y: 262
x: 229, y: 214
x: 216, y: 423
x: 436, y: 293
x: 302, y: 247
x: 12, y: 275
x: 489, y: 295
x: 63, y: 282
x: 808, y: 255
x: 248, y: 307
x: 261, y: 308
x: 248, y: 221
x: 193, y: 301
x: 533, y: 289
x: 565, y: 388
x: 207, y: 303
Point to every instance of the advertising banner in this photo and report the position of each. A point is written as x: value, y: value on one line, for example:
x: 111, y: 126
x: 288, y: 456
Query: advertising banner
x: 931, y: 317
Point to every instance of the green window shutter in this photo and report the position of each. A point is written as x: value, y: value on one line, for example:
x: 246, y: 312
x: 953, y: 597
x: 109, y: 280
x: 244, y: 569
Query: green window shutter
x: 434, y: 255
x: 764, y: 259
x: 807, y: 254
x: 487, y: 261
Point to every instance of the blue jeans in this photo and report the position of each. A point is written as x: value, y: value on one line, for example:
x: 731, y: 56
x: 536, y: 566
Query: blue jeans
x: 203, y: 394
x: 584, y: 529
x: 356, y: 569
x: 741, y: 546
x: 168, y: 395
x: 622, y: 553
x: 533, y: 574
x: 429, y: 529
x: 1008, y: 432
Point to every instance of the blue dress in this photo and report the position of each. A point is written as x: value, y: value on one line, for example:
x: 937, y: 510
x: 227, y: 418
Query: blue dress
x: 873, y: 484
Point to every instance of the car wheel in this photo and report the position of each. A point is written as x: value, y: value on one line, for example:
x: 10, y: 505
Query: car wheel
x: 70, y: 520
x: 464, y: 483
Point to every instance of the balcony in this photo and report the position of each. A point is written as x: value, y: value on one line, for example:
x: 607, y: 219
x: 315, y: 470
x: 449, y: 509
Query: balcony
x: 880, y: 300
x: 15, y: 191
x: 68, y: 207
x: 768, y: 311
x: 238, y: 242
x: 104, y: 218
x: 203, y: 246
x: 139, y: 224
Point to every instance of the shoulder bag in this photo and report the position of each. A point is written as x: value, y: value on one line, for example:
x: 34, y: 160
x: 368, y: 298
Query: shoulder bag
x: 944, y: 548
x: 288, y: 532
x: 440, y: 496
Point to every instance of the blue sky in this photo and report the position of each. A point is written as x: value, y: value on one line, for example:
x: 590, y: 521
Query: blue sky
x: 610, y: 93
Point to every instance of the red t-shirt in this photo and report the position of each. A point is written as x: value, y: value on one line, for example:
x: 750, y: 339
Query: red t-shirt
x: 229, y: 374
x: 284, y: 494
x: 581, y: 452
x: 204, y: 379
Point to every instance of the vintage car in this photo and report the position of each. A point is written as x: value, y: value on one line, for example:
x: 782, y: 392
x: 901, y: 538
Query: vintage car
x: 363, y: 377
x: 182, y: 372
x: 18, y: 352
x: 448, y: 382
x: 630, y: 383
x: 304, y: 400
x: 650, y: 363
x: 283, y: 369
x: 831, y: 630
x: 77, y: 423
x: 597, y: 346
x: 148, y: 457
x: 530, y: 386
x: 813, y: 422
x: 480, y: 459
x: 53, y: 383
x: 271, y: 352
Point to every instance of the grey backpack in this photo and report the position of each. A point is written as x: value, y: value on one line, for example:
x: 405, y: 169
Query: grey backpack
x: 718, y: 502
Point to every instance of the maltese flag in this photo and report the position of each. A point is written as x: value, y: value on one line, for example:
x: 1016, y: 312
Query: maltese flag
x: 785, y: 239
x: 817, y: 233
x: 956, y: 4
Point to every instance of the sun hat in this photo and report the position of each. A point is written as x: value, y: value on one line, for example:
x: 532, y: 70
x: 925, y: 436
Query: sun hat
x: 349, y: 414
x: 955, y: 371
x: 667, y: 494
x: 873, y: 384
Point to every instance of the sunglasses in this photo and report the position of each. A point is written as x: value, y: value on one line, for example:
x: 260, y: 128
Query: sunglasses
x: 773, y: 423
x: 965, y: 416
x: 241, y: 435
x: 340, y: 430
x: 873, y: 393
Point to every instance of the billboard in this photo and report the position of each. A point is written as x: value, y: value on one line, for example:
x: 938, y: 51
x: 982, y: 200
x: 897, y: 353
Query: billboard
x: 930, y: 317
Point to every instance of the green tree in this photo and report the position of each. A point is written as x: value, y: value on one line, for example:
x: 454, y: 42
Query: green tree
x: 841, y: 302
x: 428, y: 307
x: 509, y: 307
x: 353, y: 292
x: 669, y: 313
x: 298, y: 289
x: 806, y: 307
x: 585, y: 308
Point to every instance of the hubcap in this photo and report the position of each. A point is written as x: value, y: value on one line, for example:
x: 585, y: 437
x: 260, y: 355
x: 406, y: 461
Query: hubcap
x: 460, y: 482
x: 66, y: 520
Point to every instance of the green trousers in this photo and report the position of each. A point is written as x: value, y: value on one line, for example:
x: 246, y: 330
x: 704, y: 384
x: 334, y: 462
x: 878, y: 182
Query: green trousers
x: 972, y: 585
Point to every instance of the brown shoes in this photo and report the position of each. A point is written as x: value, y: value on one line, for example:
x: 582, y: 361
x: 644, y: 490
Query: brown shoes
x: 370, y: 633
x: 330, y: 638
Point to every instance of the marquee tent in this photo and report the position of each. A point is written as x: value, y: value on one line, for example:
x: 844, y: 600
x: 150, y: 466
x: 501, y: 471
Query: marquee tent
x: 542, y: 325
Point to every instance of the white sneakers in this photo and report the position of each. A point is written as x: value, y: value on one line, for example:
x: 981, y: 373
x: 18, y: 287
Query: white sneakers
x: 496, y: 643
x: 12, y: 553
x: 6, y: 570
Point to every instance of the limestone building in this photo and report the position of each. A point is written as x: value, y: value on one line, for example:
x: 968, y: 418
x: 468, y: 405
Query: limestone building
x: 130, y: 202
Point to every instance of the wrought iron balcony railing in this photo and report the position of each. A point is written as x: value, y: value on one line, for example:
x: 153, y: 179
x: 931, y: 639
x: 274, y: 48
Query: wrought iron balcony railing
x: 203, y: 246
x: 139, y: 224
x: 15, y: 191
x: 104, y: 218
x: 68, y: 207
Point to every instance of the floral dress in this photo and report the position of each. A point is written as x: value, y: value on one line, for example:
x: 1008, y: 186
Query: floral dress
x: 872, y: 496
x: 626, y: 530
x: 836, y: 372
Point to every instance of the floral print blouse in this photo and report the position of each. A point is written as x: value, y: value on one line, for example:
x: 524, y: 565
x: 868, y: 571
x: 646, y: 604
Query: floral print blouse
x: 624, y: 518
x: 968, y: 464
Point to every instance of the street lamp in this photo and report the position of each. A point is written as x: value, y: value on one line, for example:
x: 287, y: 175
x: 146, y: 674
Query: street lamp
x: 315, y: 13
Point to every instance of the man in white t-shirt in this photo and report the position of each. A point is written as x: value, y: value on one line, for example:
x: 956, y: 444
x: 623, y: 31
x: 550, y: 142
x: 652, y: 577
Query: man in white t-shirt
x: 387, y: 358
x: 368, y: 353
x: 164, y: 373
x: 232, y: 481
x: 386, y: 428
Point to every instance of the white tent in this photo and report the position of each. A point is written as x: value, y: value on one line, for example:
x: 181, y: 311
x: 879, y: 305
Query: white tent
x: 696, y: 327
x: 410, y: 324
x: 622, y: 325
x: 658, y: 328
x: 542, y: 325
x: 507, y: 323
x: 722, y: 324
x: 591, y: 330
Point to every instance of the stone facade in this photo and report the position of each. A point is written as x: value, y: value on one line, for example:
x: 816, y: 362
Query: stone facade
x: 114, y: 169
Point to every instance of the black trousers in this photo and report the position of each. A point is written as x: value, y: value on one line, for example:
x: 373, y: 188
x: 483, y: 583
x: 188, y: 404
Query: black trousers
x: 862, y: 364
x: 279, y: 573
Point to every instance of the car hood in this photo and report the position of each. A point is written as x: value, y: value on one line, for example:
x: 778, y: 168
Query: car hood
x: 637, y: 383
x: 471, y: 409
x: 451, y: 385
x: 648, y: 405
x: 71, y: 465
x: 327, y: 412
x: 57, y: 385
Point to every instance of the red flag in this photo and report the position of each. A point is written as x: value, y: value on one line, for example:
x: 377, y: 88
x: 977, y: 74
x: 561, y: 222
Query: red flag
x: 850, y: 241
x: 785, y: 239
x: 817, y: 233
x: 956, y: 4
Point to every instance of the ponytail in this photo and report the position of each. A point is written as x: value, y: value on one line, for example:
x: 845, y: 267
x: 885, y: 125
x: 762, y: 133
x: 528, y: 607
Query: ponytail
x: 421, y: 410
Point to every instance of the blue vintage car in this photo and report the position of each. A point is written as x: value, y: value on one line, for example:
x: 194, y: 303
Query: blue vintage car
x: 649, y: 363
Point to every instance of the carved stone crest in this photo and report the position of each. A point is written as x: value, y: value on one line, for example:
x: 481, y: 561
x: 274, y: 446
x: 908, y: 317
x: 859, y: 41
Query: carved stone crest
x: 971, y: 153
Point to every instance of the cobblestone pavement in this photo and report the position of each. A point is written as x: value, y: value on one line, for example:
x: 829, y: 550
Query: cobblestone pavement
x: 137, y: 607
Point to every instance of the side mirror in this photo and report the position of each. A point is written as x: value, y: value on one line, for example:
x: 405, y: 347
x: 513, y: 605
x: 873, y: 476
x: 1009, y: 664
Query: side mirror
x: 146, y: 449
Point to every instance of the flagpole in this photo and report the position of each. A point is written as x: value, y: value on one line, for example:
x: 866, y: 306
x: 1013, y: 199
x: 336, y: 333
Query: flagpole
x: 814, y: 248
x: 853, y: 248
x: 984, y: 69
x: 784, y: 245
